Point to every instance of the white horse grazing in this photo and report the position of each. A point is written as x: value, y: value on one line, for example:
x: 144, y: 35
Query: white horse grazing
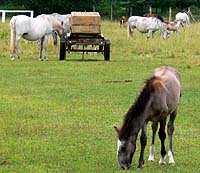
x: 147, y: 25
x: 183, y: 17
x: 32, y: 29
x: 66, y: 19
x: 174, y: 26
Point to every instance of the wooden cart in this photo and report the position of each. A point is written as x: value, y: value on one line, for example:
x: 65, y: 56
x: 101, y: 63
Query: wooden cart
x: 85, y: 34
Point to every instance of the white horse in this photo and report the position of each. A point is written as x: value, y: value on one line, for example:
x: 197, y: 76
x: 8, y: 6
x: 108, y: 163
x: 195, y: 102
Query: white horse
x: 174, y: 26
x: 32, y: 29
x: 183, y: 17
x: 147, y: 25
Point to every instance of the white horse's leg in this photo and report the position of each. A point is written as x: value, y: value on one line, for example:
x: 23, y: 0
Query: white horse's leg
x: 15, y: 50
x: 148, y: 34
x: 45, y: 47
x: 153, y: 34
x: 16, y: 47
x: 41, y: 48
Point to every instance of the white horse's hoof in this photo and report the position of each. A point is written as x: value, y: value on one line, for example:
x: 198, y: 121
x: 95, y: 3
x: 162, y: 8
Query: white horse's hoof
x: 12, y: 58
x: 45, y: 58
x: 40, y: 59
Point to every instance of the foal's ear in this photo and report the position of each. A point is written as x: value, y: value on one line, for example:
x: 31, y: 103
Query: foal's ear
x: 116, y: 129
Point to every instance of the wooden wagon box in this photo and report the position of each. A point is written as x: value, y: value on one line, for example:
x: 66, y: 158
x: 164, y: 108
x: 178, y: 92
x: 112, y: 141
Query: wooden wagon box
x: 85, y: 22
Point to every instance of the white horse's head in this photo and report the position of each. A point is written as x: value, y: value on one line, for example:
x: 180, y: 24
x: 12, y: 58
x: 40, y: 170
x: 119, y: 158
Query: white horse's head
x: 164, y: 32
x: 66, y: 19
x: 56, y: 26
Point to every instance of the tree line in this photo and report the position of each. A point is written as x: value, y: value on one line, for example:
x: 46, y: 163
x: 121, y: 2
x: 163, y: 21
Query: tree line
x: 104, y: 7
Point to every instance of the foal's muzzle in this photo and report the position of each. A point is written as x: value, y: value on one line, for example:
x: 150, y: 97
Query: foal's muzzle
x: 125, y: 166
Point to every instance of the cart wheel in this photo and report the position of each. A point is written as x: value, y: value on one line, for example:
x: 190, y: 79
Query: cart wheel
x: 107, y: 50
x: 62, y: 48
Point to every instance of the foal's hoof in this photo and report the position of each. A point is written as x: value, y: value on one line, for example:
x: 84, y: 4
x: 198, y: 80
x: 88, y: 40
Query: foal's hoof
x: 172, y: 164
x: 40, y: 59
x: 162, y: 164
x: 151, y: 161
x: 12, y: 58
x: 140, y: 167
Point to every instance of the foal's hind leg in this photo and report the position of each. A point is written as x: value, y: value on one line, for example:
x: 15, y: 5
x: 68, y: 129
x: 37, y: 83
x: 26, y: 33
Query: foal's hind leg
x: 162, y: 136
x: 152, y: 148
x: 170, y: 131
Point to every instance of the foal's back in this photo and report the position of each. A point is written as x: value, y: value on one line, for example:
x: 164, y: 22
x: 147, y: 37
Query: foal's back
x: 167, y: 88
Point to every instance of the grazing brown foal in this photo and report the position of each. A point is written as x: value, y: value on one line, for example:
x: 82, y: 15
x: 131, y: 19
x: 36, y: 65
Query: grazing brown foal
x: 158, y: 99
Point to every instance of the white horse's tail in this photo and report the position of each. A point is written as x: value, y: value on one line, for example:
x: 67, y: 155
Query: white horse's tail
x: 187, y: 20
x: 129, y: 30
x: 12, y: 35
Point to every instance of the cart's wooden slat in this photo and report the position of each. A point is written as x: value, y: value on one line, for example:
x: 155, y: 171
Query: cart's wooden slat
x: 85, y: 22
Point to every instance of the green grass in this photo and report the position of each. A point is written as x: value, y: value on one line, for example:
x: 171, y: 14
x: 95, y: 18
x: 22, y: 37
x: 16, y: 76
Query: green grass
x: 59, y: 116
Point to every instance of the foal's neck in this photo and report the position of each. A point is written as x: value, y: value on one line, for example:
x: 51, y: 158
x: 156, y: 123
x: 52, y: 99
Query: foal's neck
x: 136, y: 115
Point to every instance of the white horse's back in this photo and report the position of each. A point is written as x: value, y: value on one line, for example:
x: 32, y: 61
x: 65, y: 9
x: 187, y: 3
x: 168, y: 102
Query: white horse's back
x: 145, y: 25
x: 183, y: 17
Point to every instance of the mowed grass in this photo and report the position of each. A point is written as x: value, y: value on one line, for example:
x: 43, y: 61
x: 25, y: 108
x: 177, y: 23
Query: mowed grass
x: 59, y: 116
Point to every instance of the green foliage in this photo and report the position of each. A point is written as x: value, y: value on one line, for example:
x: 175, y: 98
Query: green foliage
x: 139, y: 7
x: 59, y: 116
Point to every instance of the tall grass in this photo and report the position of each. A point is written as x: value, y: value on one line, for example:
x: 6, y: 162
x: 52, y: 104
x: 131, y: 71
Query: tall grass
x: 59, y: 116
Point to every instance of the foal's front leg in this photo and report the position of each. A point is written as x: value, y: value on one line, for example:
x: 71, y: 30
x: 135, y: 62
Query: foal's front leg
x: 143, y: 142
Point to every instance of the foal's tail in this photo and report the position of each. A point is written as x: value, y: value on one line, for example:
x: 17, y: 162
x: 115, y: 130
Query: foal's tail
x: 12, y: 35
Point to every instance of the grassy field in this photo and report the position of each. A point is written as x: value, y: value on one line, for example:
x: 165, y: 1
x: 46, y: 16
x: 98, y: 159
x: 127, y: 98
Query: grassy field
x: 59, y: 116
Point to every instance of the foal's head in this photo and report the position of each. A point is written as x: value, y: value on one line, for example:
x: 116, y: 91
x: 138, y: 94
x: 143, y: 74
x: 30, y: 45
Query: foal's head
x: 125, y: 150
